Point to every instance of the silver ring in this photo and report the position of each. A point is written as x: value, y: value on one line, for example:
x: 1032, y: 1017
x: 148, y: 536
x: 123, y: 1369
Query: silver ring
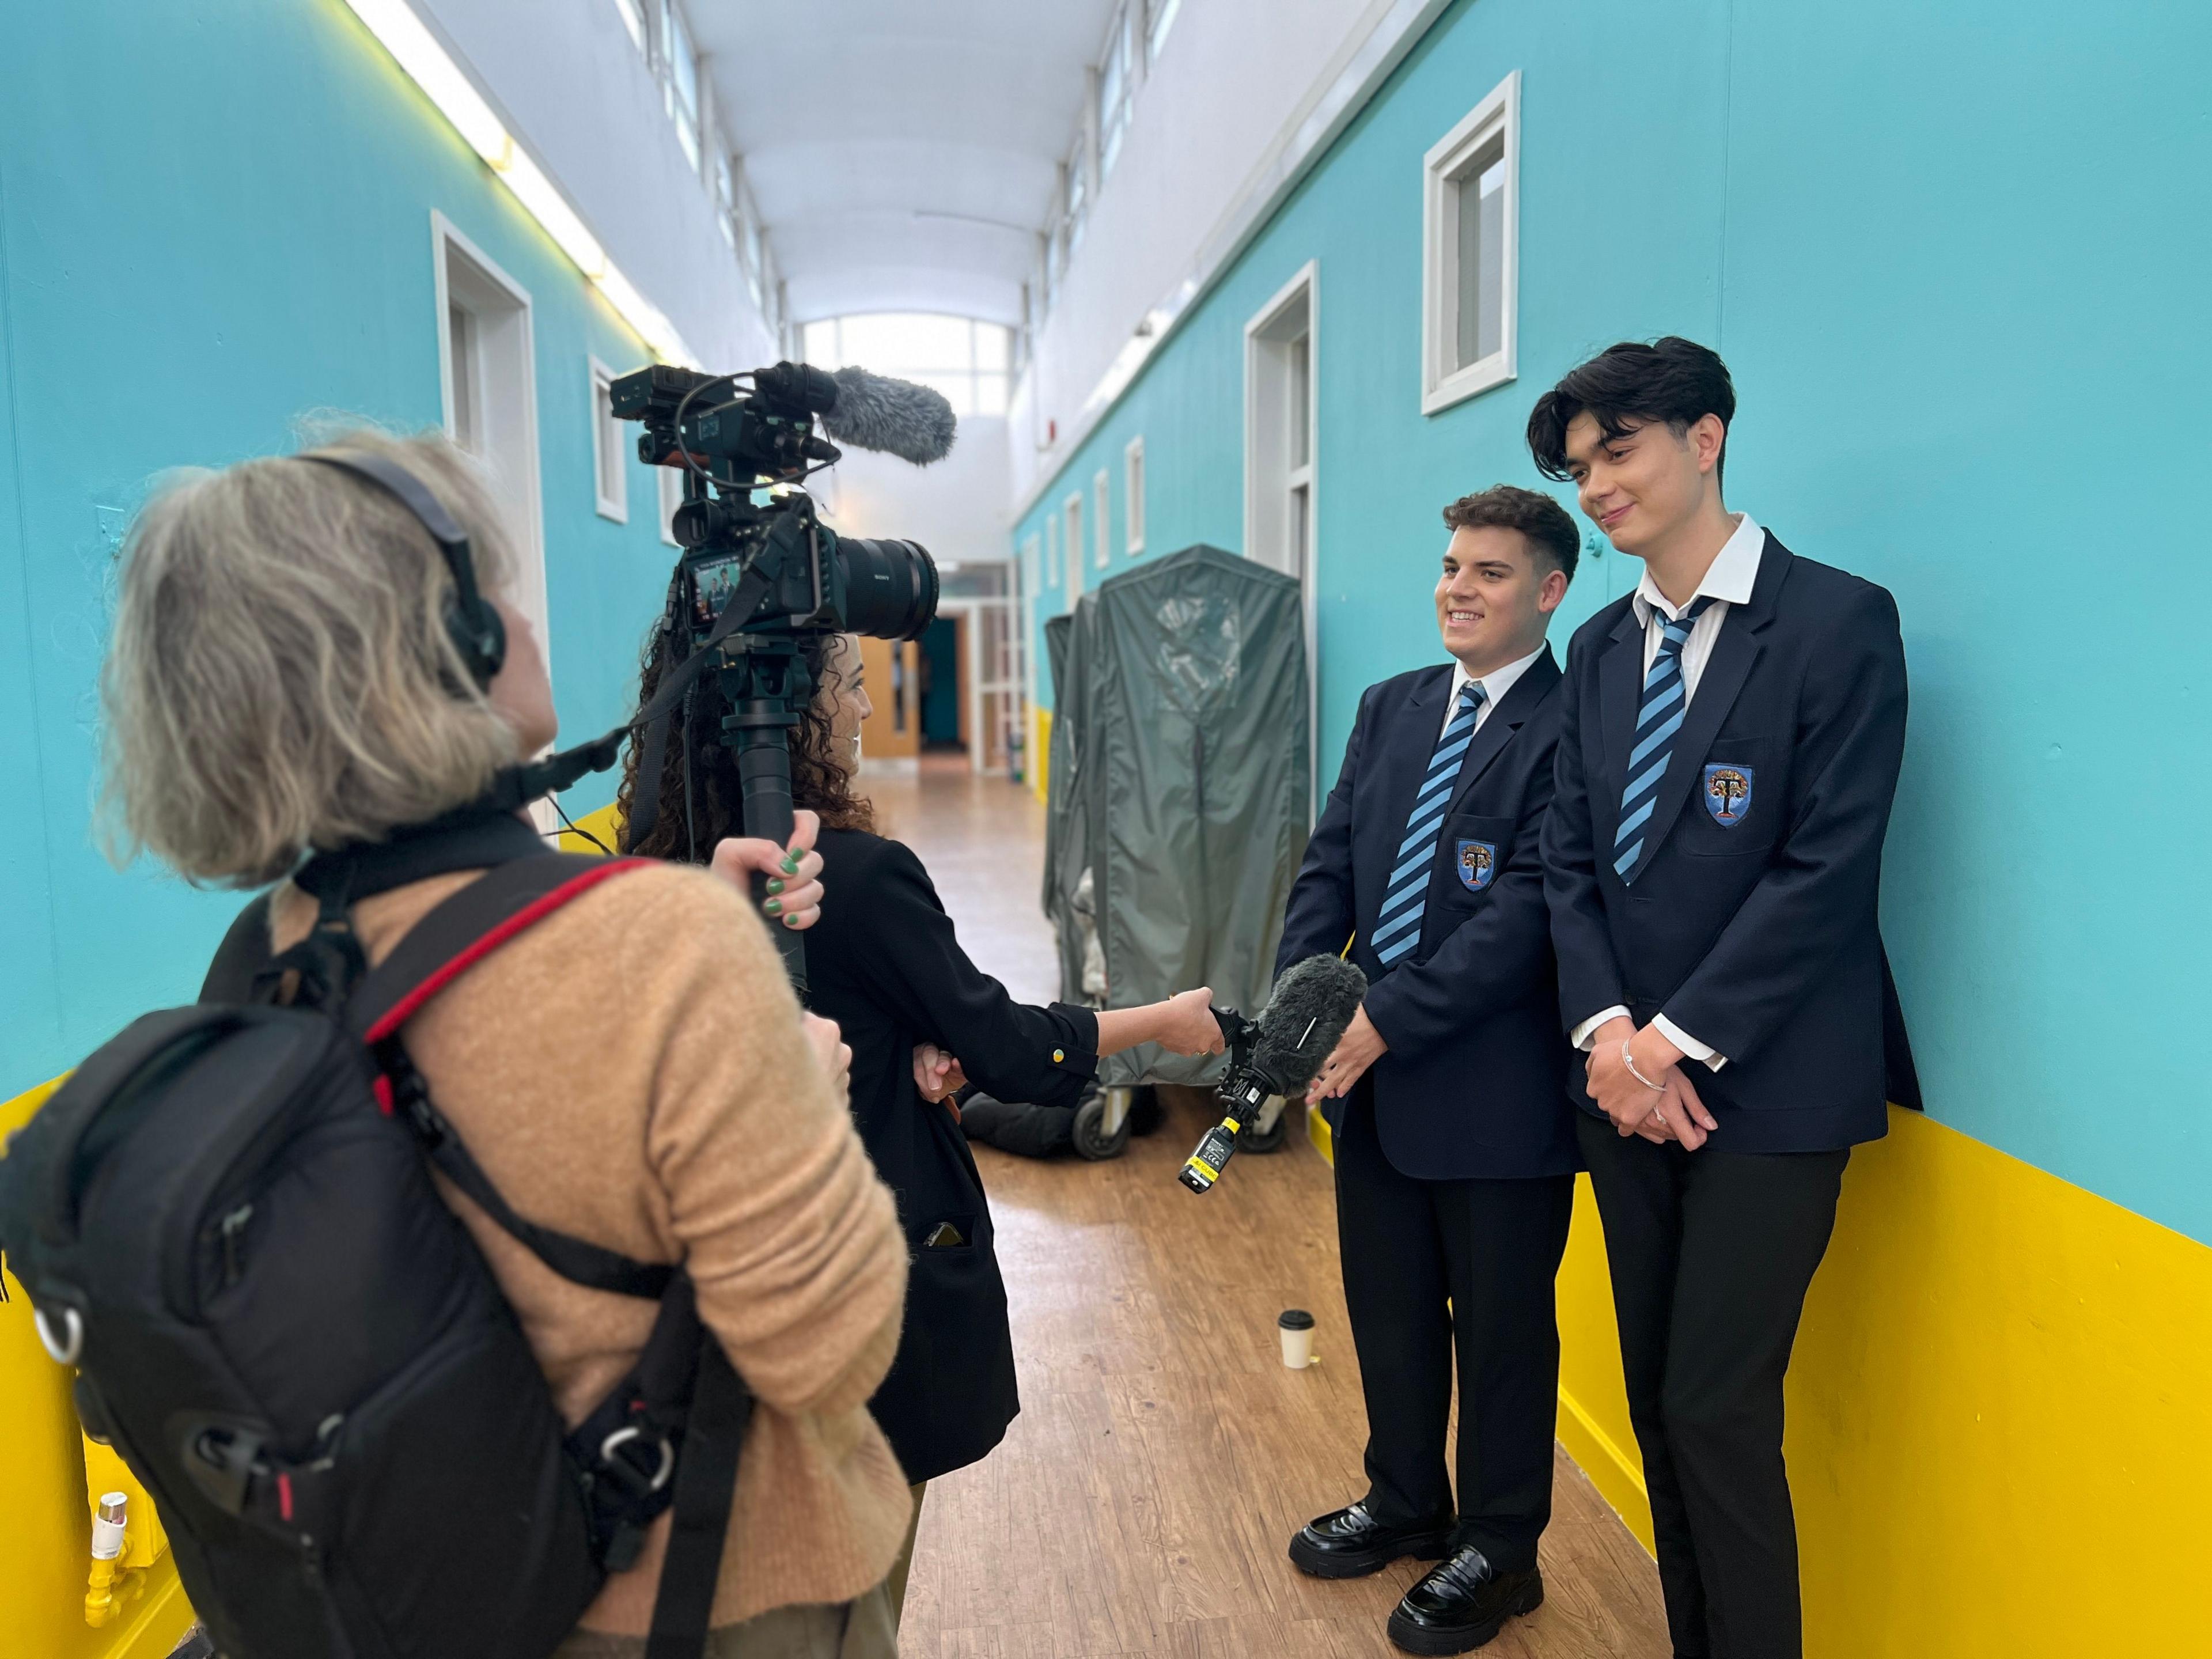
x: 61, y: 1353
x: 624, y: 1436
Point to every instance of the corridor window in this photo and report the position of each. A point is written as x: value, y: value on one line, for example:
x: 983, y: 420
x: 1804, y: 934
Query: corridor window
x: 969, y: 362
x: 1470, y: 222
x: 1051, y: 550
x: 609, y: 473
x: 683, y: 81
x: 1102, y: 513
x: 1162, y: 20
x: 633, y: 16
x: 1114, y: 88
x: 1132, y: 488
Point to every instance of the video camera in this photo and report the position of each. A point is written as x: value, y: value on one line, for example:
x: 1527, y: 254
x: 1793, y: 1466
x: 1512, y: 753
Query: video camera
x: 760, y: 572
x: 744, y: 457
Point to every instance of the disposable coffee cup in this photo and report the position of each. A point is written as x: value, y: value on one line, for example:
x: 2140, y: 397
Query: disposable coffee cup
x: 1297, y: 1329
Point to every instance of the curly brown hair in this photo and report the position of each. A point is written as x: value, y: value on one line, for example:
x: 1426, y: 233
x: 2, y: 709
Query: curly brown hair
x: 715, y: 805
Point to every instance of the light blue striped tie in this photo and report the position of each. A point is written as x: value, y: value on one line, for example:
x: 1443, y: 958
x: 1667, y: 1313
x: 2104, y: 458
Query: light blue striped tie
x: 1398, y: 924
x: 1666, y: 700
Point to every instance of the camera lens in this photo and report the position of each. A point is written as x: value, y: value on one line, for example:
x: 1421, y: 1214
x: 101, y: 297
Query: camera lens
x: 890, y: 587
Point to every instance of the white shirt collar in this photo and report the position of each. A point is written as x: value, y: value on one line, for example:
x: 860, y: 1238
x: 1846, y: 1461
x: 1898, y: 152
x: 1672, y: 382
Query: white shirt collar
x: 1496, y: 683
x: 1734, y: 571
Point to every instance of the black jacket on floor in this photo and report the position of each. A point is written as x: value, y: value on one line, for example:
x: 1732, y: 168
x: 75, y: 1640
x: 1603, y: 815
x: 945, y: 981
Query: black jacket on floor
x: 884, y: 963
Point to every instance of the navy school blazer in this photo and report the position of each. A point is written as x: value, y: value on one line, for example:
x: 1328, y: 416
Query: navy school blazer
x: 1473, y: 1085
x: 1753, y: 921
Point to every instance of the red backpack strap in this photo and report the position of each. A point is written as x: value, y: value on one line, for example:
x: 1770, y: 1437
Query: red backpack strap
x: 467, y: 926
x: 461, y: 931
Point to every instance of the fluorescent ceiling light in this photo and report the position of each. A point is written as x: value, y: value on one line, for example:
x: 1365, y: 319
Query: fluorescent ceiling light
x: 432, y: 67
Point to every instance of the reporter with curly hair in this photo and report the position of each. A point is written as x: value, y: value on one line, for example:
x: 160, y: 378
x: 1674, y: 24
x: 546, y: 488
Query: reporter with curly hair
x: 886, y: 964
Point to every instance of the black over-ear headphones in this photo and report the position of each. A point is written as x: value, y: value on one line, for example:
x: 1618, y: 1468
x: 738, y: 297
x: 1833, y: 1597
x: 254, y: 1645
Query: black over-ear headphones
x: 474, y: 626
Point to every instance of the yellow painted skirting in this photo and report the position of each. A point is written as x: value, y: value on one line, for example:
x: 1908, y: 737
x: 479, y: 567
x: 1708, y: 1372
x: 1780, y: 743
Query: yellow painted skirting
x: 1997, y: 1436
x: 1040, y: 755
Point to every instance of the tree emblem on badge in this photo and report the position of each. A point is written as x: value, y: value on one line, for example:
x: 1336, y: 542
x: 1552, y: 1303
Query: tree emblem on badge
x: 1478, y: 863
x: 1728, y: 793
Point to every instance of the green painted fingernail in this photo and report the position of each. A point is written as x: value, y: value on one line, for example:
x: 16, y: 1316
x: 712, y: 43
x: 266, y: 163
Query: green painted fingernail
x: 791, y: 921
x: 773, y: 885
x: 791, y: 864
x: 774, y: 907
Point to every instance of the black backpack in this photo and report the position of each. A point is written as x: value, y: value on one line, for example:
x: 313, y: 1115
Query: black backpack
x: 226, y: 1219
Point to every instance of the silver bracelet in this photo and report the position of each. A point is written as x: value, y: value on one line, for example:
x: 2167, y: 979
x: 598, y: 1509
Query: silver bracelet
x: 1626, y: 1060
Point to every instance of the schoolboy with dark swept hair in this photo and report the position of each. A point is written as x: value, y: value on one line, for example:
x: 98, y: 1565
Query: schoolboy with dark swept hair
x: 1730, y: 737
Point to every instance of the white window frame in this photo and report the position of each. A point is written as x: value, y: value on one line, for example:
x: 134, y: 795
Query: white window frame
x: 1133, y: 490
x: 610, y: 491
x: 516, y: 467
x: 1269, y: 478
x: 1102, y: 510
x: 633, y: 17
x: 670, y: 480
x: 1441, y: 384
x: 1071, y: 511
x: 1051, y: 549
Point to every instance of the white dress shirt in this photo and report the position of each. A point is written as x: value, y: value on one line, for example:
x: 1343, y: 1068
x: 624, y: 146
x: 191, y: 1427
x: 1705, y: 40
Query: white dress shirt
x: 1727, y: 581
x: 1495, y: 685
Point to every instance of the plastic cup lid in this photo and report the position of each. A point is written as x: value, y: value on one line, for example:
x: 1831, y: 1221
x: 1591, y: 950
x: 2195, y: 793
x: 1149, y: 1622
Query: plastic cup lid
x: 1295, y: 1319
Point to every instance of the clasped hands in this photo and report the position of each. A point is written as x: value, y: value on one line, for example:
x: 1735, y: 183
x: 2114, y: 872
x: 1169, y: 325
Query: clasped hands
x: 1672, y: 1111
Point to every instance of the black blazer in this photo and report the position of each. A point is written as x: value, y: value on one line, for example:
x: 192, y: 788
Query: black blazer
x: 1472, y: 1084
x: 884, y: 963
x: 1753, y: 922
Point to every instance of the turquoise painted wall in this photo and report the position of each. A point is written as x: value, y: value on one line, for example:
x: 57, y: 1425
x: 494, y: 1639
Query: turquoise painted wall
x: 214, y: 219
x: 1954, y: 256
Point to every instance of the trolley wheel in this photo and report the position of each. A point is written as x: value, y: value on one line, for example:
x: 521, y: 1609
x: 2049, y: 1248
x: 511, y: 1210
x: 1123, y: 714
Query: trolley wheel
x: 1265, y: 1137
x: 1101, y: 1124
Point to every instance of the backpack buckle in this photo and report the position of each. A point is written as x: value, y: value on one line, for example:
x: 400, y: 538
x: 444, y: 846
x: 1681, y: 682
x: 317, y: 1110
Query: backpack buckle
x: 630, y: 1474
x: 66, y: 1349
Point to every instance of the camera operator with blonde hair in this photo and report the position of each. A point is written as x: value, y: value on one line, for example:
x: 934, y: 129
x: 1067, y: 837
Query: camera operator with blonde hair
x: 633, y: 1070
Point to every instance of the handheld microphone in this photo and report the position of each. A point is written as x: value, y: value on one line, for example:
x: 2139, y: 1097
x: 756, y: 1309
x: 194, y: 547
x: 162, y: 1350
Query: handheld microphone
x: 872, y: 411
x: 1277, y: 1054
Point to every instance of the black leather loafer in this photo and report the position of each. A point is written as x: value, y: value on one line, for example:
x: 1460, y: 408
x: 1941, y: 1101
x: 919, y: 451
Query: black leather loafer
x: 1349, y: 1543
x: 1461, y: 1605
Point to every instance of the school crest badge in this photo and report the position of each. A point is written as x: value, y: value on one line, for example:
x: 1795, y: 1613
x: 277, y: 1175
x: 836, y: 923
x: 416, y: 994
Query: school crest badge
x: 1728, y: 793
x: 1478, y: 863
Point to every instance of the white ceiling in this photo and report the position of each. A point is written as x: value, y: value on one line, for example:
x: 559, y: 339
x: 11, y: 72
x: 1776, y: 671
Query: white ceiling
x: 901, y: 152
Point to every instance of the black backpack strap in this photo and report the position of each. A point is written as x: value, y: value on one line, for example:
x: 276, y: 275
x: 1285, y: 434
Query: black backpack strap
x: 459, y: 932
x: 467, y: 926
x: 706, y: 1488
x: 244, y: 949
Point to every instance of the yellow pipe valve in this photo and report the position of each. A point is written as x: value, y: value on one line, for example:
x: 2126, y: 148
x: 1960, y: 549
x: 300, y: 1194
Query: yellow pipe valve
x: 112, y: 1581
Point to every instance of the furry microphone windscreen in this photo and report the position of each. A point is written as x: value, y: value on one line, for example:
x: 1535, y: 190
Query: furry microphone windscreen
x: 894, y: 417
x: 1313, y: 1002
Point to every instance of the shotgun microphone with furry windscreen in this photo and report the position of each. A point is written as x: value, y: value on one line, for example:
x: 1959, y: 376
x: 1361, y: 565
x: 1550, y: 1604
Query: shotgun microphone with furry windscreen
x: 1277, y: 1054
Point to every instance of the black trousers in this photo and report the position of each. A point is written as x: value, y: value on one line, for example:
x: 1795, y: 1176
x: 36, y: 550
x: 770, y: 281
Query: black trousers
x: 1712, y: 1254
x: 1439, y: 1269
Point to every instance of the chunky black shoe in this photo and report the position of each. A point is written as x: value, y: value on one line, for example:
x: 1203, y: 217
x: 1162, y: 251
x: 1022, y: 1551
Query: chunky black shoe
x: 1463, y: 1603
x: 1349, y: 1543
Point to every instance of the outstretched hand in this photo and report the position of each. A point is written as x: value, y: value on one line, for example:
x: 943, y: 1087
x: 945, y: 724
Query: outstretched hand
x: 1188, y: 1025
x: 794, y: 873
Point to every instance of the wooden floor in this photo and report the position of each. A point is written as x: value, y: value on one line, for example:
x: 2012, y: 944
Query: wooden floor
x: 1142, y: 1501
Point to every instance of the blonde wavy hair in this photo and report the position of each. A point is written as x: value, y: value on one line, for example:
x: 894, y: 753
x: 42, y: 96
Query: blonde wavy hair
x: 280, y: 678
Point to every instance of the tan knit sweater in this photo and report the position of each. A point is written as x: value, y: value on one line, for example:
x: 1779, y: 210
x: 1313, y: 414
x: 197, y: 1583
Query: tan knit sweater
x: 631, y: 1071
